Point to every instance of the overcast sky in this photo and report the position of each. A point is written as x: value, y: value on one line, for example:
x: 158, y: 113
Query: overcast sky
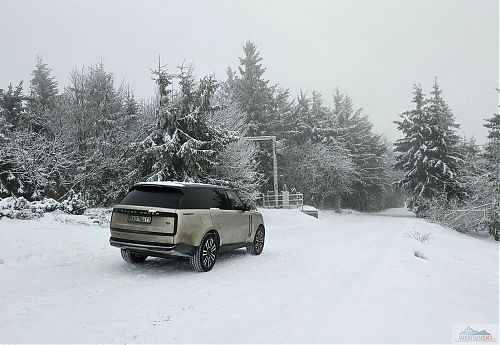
x: 374, y: 50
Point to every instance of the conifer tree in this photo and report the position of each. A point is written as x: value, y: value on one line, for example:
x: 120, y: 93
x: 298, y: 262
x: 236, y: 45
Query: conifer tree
x: 412, y: 149
x: 492, y: 155
x: 262, y: 104
x: 183, y: 146
x: 444, y: 141
x: 428, y: 153
x: 12, y: 106
x: 367, y: 150
x: 42, y: 97
x: 492, y: 148
x: 253, y: 91
x: 11, y: 114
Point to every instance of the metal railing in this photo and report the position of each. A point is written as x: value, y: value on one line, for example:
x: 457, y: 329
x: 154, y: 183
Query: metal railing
x: 284, y: 200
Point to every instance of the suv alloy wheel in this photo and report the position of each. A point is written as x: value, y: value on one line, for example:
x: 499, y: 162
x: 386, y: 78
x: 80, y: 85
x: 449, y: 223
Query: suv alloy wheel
x: 257, y: 246
x: 206, y: 254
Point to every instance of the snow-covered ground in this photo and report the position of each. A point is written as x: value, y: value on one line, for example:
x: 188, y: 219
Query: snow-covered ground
x: 340, y: 278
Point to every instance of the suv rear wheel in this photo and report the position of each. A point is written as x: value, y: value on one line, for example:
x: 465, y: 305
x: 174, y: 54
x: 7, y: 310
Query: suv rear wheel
x: 206, y: 254
x: 133, y: 258
x: 257, y: 246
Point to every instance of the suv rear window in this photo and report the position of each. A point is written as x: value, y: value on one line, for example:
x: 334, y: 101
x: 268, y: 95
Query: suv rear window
x: 153, y: 196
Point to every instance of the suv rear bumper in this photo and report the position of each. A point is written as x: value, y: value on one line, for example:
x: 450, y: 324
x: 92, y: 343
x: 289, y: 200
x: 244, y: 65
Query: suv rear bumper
x: 154, y: 249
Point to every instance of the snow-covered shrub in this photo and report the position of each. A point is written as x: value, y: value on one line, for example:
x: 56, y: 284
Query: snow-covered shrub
x: 18, y: 208
x: 99, y: 215
x: 46, y: 205
x: 74, y: 204
x: 419, y: 254
x: 425, y: 237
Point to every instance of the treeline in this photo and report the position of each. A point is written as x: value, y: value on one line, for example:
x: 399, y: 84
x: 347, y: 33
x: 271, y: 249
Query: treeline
x: 95, y: 138
x: 448, y: 178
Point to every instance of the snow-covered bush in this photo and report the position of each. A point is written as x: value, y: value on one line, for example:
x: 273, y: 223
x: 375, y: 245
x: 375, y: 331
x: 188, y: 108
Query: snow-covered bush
x: 18, y: 208
x: 425, y: 237
x: 74, y: 204
x: 99, y: 215
x: 419, y: 254
x: 46, y: 205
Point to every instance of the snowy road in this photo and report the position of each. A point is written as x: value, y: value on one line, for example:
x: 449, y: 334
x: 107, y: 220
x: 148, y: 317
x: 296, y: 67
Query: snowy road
x: 341, y: 278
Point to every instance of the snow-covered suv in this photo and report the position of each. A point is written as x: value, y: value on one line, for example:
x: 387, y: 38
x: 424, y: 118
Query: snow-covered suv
x: 188, y: 221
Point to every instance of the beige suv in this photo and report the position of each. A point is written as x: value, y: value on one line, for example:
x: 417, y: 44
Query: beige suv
x: 184, y: 221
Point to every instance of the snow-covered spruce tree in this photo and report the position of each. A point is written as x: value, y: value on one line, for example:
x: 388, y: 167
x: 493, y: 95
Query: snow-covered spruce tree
x: 182, y: 147
x: 305, y: 123
x: 367, y: 151
x: 253, y: 92
x: 313, y: 162
x: 12, y: 110
x: 261, y: 103
x: 412, y: 151
x: 427, y: 156
x: 444, y: 143
x: 492, y: 147
x: 472, y: 174
x: 12, y: 107
x: 5, y: 166
x: 492, y: 155
x: 42, y: 98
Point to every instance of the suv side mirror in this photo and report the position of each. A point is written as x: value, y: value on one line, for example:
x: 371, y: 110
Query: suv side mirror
x: 246, y: 207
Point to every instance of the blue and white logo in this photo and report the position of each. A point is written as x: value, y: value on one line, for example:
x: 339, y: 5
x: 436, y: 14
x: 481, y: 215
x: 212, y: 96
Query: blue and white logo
x: 471, y: 335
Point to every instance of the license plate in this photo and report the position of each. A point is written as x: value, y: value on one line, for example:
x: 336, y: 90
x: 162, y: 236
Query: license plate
x: 139, y: 219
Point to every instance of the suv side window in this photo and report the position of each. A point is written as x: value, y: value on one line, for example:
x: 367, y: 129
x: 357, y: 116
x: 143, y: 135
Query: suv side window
x: 222, y: 200
x: 200, y: 198
x: 234, y: 201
